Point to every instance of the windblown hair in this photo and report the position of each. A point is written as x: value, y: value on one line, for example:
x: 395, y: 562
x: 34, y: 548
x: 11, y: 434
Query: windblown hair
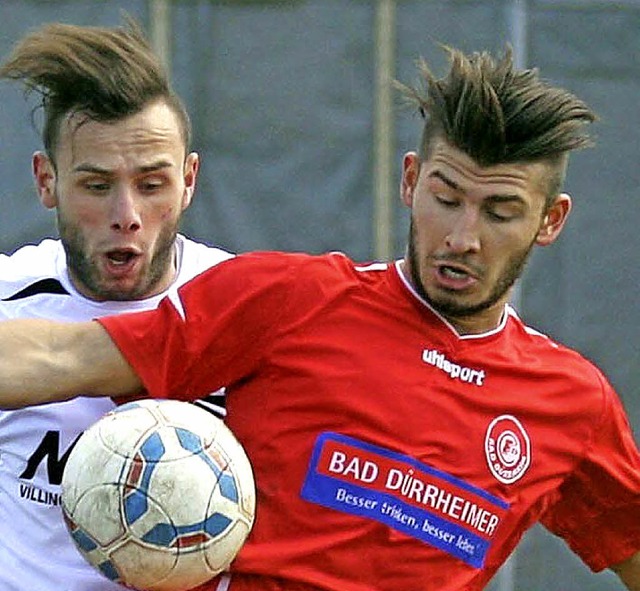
x: 498, y: 114
x: 103, y: 73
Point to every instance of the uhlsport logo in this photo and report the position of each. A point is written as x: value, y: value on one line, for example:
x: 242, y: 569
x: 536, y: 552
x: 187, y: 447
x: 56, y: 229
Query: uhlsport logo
x: 508, y: 449
x: 455, y: 371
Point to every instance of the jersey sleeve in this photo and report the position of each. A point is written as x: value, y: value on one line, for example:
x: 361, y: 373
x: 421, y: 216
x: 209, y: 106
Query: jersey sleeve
x: 598, y: 508
x: 212, y: 332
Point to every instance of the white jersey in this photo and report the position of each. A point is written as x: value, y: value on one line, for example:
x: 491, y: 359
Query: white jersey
x: 36, y: 552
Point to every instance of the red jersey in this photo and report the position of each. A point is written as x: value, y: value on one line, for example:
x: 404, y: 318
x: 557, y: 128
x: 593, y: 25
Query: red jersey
x: 389, y: 451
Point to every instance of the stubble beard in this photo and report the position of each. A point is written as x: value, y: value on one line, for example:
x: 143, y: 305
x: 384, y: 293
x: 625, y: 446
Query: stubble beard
x: 87, y: 272
x: 448, y: 306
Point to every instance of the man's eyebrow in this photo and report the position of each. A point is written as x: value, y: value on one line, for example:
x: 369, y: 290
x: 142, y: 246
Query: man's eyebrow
x: 84, y: 167
x: 155, y: 166
x: 95, y: 169
x: 496, y: 198
x: 505, y: 198
x: 445, y: 179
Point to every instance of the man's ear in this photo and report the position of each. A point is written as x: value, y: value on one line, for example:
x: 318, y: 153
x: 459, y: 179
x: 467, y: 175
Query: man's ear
x: 410, y: 173
x: 44, y: 176
x: 191, y: 167
x: 554, y: 220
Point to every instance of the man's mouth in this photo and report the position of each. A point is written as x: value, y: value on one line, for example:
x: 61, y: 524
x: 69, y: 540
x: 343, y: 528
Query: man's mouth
x: 121, y: 262
x: 120, y: 257
x: 456, y: 277
x: 453, y: 272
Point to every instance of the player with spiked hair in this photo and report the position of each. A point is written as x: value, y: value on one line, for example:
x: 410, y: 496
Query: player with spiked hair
x: 118, y: 170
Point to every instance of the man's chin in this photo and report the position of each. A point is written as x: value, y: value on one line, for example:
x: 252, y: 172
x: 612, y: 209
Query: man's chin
x: 118, y: 290
x: 454, y: 308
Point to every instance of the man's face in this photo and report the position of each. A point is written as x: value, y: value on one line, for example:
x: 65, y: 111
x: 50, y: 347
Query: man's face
x: 472, y: 229
x: 119, y: 189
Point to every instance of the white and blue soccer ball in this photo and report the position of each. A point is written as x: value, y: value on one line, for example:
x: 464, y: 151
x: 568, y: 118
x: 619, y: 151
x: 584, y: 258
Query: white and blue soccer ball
x: 158, y: 495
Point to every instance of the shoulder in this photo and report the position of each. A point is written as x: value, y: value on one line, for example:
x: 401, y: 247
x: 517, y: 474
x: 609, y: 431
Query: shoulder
x: 272, y: 276
x: 326, y: 272
x: 32, y: 259
x: 196, y: 257
x: 300, y: 265
x: 201, y: 252
x: 31, y: 264
x: 538, y: 351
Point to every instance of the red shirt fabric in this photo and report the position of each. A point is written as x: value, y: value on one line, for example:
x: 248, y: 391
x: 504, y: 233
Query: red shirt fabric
x: 389, y: 451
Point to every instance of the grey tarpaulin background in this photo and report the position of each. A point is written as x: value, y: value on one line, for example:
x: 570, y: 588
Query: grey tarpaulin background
x: 282, y: 96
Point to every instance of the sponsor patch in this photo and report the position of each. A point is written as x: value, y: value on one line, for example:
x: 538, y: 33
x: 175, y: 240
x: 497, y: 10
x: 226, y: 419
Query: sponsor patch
x: 411, y: 497
x: 508, y: 449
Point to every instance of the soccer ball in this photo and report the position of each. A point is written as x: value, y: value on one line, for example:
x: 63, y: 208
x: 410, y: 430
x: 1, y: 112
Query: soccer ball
x: 158, y: 495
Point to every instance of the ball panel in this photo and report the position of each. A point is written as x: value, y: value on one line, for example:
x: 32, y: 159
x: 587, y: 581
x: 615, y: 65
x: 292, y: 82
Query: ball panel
x: 185, y: 498
x: 91, y: 550
x: 220, y: 555
x: 142, y: 566
x: 121, y: 430
x: 191, y: 571
x: 237, y: 463
x: 98, y: 504
x: 90, y: 463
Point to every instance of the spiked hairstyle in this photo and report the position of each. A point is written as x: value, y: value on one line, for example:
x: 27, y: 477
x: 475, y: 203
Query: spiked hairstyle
x: 103, y: 73
x: 497, y: 114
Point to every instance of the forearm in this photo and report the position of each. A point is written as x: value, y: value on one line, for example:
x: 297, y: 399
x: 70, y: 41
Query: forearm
x: 43, y: 361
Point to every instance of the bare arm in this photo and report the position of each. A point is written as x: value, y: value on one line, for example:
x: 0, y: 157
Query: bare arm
x: 629, y: 572
x: 45, y: 361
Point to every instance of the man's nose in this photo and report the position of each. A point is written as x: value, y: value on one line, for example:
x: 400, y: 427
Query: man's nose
x: 125, y: 216
x: 464, y: 235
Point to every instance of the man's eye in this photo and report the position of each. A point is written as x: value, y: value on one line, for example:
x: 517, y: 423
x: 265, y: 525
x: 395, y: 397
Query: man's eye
x: 500, y: 216
x: 150, y: 186
x: 496, y: 216
x: 97, y: 187
x: 446, y: 201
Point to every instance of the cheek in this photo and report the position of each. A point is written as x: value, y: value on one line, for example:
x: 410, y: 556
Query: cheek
x: 424, y: 237
x: 84, y: 212
x: 159, y: 217
x: 504, y: 248
x: 516, y: 237
x: 167, y: 213
x: 430, y: 224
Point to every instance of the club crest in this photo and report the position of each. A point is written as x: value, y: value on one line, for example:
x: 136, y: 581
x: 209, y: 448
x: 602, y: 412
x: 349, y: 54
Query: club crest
x: 508, y: 449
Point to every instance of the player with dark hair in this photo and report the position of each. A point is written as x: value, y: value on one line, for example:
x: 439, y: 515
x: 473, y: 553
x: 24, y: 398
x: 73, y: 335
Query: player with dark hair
x: 118, y: 170
x: 404, y: 424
